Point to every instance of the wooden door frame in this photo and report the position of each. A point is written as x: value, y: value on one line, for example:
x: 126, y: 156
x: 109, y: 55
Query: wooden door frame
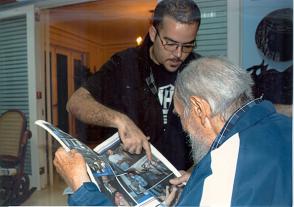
x: 72, y: 55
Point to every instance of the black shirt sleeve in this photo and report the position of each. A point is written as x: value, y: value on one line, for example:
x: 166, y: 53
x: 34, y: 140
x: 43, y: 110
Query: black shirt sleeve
x: 104, y: 84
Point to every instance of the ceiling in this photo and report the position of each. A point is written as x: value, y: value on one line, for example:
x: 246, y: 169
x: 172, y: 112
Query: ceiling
x: 105, y: 20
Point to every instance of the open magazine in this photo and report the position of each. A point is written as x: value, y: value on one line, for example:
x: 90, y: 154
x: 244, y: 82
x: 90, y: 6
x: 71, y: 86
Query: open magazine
x: 132, y: 178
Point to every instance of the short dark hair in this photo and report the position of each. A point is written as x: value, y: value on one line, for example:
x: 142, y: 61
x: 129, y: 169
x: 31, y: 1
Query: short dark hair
x: 183, y: 11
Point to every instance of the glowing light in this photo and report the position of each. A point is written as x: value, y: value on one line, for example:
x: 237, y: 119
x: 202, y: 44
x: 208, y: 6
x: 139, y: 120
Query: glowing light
x: 139, y: 40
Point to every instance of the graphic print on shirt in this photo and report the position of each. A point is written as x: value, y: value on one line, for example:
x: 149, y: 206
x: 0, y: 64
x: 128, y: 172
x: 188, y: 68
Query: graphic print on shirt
x: 165, y: 95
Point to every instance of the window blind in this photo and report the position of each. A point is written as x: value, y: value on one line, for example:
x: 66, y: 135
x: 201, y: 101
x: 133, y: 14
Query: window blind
x: 212, y: 35
x: 14, y: 69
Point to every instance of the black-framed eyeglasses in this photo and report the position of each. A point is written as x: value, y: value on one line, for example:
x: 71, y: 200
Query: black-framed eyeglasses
x: 172, y: 46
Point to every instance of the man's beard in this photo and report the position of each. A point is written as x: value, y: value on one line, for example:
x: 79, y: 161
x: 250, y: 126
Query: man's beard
x: 199, y: 149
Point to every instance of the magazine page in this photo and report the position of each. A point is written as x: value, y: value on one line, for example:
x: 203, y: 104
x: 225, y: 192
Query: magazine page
x: 139, y: 181
x: 127, y: 179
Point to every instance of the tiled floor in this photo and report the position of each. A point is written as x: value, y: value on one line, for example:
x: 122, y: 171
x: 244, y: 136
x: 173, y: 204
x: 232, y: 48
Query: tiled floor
x: 50, y: 196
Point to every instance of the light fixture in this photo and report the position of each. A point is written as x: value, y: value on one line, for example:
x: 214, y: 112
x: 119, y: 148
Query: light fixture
x: 139, y: 40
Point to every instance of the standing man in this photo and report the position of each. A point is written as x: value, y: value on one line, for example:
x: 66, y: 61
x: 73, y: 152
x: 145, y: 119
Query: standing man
x: 132, y: 92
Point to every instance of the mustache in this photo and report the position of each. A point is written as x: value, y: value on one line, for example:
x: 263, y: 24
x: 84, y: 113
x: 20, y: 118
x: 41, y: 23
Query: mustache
x: 175, y: 60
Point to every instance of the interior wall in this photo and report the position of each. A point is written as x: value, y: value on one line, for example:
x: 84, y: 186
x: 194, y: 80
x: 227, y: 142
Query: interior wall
x: 62, y: 38
x: 97, y: 52
x: 96, y: 34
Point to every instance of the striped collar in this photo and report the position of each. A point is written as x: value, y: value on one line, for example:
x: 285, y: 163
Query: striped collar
x: 232, y: 121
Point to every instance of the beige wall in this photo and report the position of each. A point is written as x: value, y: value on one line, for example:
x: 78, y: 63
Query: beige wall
x: 96, y: 53
x: 100, y: 28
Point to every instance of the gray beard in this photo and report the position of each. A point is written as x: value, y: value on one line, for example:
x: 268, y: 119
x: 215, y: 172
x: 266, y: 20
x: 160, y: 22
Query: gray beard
x: 199, y: 149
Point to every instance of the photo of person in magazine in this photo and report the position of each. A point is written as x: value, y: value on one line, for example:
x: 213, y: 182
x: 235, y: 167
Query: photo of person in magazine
x: 140, y: 178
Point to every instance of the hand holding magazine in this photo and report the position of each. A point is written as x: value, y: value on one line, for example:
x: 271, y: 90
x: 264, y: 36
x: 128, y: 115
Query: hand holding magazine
x: 139, y: 181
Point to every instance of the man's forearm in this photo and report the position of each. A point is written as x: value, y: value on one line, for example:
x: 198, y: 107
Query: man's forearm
x: 85, y: 108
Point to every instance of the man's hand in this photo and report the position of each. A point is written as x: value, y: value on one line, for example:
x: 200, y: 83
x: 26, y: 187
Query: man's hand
x: 133, y: 138
x: 72, y: 167
x: 180, y: 181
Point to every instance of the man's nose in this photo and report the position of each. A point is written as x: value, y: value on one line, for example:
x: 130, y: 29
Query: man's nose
x: 178, y: 51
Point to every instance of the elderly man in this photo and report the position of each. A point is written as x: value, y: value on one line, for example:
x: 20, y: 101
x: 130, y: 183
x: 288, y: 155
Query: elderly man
x: 246, y: 144
x: 249, y: 161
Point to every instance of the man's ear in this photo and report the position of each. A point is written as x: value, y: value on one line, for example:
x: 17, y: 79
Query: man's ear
x: 152, y: 33
x: 201, y: 108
